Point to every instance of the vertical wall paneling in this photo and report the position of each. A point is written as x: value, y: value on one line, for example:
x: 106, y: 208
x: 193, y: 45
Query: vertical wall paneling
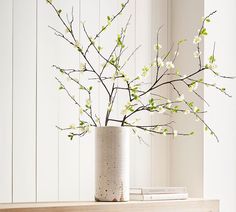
x: 122, y: 96
x: 68, y: 112
x: 90, y: 18
x: 47, y: 105
x: 187, y: 152
x: 6, y: 101
x: 159, y: 143
x: 143, y: 58
x: 24, y: 93
x: 47, y: 166
x: 107, y: 42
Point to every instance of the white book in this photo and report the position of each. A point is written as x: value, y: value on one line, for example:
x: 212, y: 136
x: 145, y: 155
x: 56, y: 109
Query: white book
x: 158, y: 190
x: 151, y: 197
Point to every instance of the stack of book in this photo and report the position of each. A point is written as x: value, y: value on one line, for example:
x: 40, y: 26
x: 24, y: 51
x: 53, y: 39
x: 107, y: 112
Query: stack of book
x: 158, y: 193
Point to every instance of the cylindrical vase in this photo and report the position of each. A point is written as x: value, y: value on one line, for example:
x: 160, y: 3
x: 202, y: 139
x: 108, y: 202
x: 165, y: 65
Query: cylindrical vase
x: 112, y: 164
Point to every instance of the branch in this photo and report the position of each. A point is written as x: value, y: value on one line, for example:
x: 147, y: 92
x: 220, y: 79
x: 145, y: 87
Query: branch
x: 73, y: 99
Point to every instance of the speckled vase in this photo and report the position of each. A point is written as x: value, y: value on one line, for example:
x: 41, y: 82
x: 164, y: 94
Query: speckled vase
x: 112, y: 164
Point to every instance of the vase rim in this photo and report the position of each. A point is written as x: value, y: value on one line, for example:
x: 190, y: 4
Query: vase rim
x: 111, y: 127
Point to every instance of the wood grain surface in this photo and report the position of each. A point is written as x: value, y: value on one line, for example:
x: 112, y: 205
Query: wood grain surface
x: 190, y: 205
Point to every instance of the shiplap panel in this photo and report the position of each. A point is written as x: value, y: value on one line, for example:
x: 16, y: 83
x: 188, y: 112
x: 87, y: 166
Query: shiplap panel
x: 47, y: 106
x: 90, y: 17
x: 107, y: 42
x: 64, y: 170
x: 143, y: 58
x: 159, y: 143
x: 68, y: 111
x: 24, y: 100
x: 6, y: 101
x: 122, y: 96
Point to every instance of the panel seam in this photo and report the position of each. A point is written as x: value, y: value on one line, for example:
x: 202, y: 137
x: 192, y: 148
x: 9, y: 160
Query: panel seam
x: 12, y: 112
x: 36, y: 108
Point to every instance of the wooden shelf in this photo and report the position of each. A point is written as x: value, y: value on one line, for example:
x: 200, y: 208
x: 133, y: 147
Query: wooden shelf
x: 190, y: 205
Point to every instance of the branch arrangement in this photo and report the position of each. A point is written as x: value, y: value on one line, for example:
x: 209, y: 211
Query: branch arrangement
x: 113, y: 79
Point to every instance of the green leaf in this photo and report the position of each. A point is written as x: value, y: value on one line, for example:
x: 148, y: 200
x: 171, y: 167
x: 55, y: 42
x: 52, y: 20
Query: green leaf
x: 61, y: 87
x: 71, y: 136
x: 109, y: 20
x: 151, y: 101
x: 122, y: 5
x: 99, y: 48
x: 212, y: 59
x: 203, y: 31
x: 59, y: 11
x: 81, y: 123
x: 208, y: 20
x: 119, y: 42
x: 190, y: 104
x: 88, y: 104
x: 90, y: 88
x: 182, y: 41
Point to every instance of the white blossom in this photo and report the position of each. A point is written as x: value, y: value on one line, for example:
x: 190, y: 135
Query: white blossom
x: 161, y: 109
x: 158, y: 128
x: 126, y: 108
x: 196, y: 54
x: 168, y: 103
x: 195, y: 109
x: 157, y: 46
x: 126, y: 78
x: 176, y: 53
x: 81, y: 111
x: 160, y: 62
x: 193, y: 87
x: 169, y: 65
x: 186, y: 112
x: 211, y: 66
x: 197, y: 39
x: 175, y: 133
x: 180, y: 98
x: 88, y: 103
x: 113, y: 78
x: 77, y: 44
x: 82, y: 66
x: 72, y: 126
x: 85, y: 128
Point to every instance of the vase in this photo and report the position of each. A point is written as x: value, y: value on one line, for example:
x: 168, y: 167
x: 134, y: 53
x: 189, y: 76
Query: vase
x: 112, y: 164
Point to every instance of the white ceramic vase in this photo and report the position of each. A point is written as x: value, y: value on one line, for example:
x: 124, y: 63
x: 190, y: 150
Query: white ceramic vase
x: 112, y: 164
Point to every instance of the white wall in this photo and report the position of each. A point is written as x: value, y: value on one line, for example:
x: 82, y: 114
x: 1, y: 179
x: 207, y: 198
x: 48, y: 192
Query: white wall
x: 37, y: 162
x: 208, y: 168
x: 186, y: 153
x: 6, y: 98
x: 220, y: 158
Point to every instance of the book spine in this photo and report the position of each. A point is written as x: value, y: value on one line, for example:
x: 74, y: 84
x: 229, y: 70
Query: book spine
x: 164, y: 191
x: 151, y: 197
x: 165, y: 197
